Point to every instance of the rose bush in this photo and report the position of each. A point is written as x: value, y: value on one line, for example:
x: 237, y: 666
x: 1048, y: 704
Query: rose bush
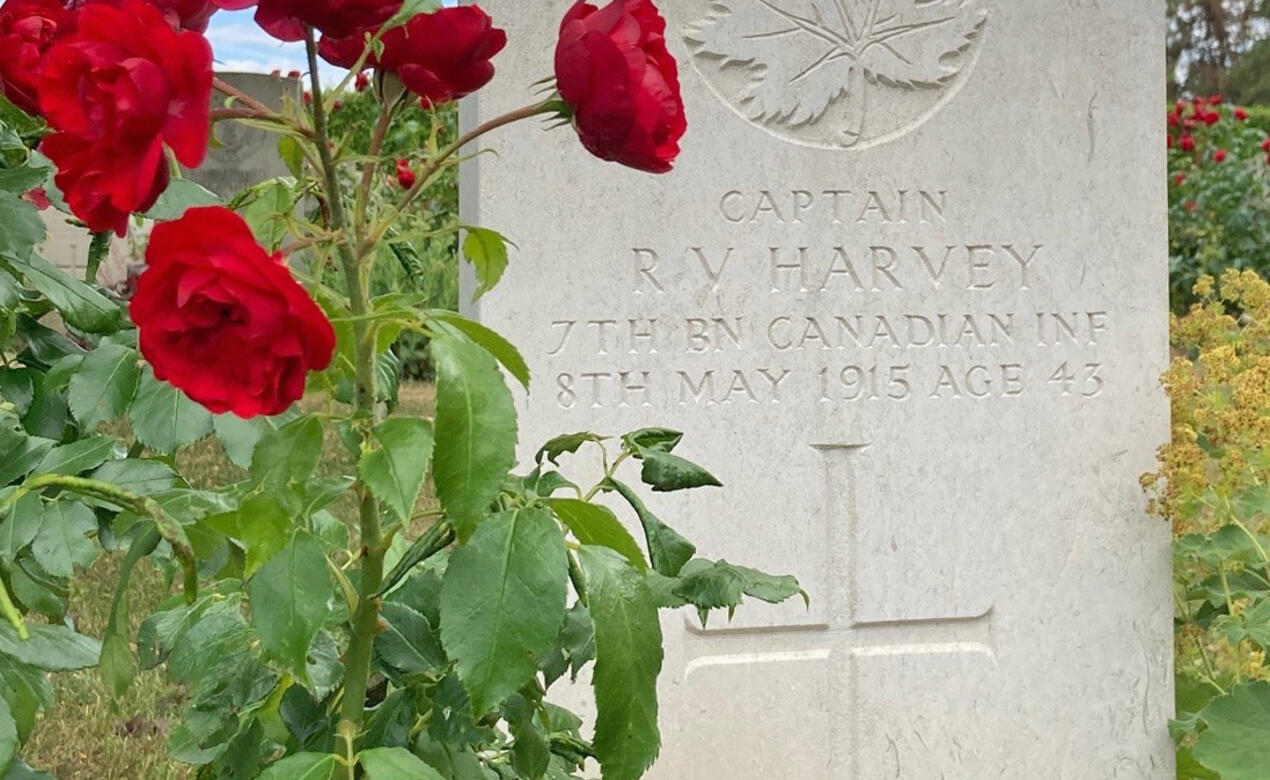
x: 328, y: 624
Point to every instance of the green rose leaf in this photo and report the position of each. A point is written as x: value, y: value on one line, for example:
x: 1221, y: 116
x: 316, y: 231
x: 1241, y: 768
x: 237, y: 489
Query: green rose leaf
x: 1237, y: 742
x: 8, y: 734
x: 502, y: 349
x: 145, y: 477
x: 81, y: 305
x: 77, y: 457
x: 301, y: 766
x: 597, y: 525
x: 19, y: 525
x: 475, y: 431
x: 290, y: 599
x: 63, y: 542
x: 52, y: 648
x: 668, y: 550
x: 666, y: 473
x: 103, y: 387
x: 486, y: 250
x: 23, y: 227
x: 408, y: 644
x: 570, y: 443
x: 260, y: 525
x: 502, y: 603
x: 164, y: 418
x: 392, y: 763
x: 628, y: 659
x: 289, y: 454
x: 181, y: 196
x: 396, y: 470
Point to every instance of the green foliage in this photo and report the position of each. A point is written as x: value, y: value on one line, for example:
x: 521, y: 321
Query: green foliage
x: 1219, y: 212
x: 297, y: 656
x: 1212, y: 487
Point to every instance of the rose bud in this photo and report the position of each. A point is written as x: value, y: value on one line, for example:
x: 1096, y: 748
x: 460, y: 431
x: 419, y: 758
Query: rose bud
x: 361, y: 82
x: 1187, y: 143
x: 225, y: 321
x: 621, y: 83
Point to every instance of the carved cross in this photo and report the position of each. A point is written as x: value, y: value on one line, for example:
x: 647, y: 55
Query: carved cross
x: 844, y: 641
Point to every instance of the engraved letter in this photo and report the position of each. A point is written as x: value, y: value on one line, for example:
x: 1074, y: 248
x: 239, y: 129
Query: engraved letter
x: 1025, y: 265
x: 978, y: 266
x: 646, y: 261
x: 733, y: 197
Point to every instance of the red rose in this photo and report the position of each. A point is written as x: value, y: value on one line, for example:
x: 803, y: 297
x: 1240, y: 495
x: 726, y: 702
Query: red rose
x: 286, y: 19
x: 116, y: 90
x: 1265, y: 146
x: 28, y: 28
x: 1179, y: 179
x: 440, y: 56
x: 1241, y: 114
x: 1170, y: 142
x: 186, y: 14
x: 1211, y: 118
x: 1220, y: 155
x: 405, y: 175
x: 614, y: 71
x: 362, y: 82
x: 39, y: 198
x: 1187, y: 143
x: 223, y: 320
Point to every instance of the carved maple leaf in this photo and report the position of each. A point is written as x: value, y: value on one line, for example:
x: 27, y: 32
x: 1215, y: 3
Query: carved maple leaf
x: 804, y: 55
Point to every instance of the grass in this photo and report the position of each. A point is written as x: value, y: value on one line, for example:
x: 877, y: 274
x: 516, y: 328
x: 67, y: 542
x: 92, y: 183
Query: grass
x: 91, y: 735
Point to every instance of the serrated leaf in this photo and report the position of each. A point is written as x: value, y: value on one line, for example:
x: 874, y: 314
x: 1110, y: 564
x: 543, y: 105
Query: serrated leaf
x: 502, y: 602
x: 8, y: 734
x: 290, y: 599
x: 667, y: 473
x: 408, y: 643
x: 181, y: 196
x: 396, y: 469
x: 104, y: 385
x: 475, y: 431
x: 289, y: 454
x: 19, y: 525
x: 486, y: 250
x: 52, y: 648
x: 260, y: 525
x: 76, y: 457
x: 23, y: 227
x: 27, y: 691
x: 502, y: 349
x: 63, y: 542
x: 394, y: 763
x: 666, y: 548
x: 597, y: 525
x: 568, y: 443
x: 1237, y: 742
x: 239, y: 437
x: 654, y: 439
x: 145, y: 477
x: 164, y: 418
x: 628, y: 660
x: 301, y: 766
x: 80, y: 305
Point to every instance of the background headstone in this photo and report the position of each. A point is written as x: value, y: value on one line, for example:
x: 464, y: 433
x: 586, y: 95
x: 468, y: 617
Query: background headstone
x: 906, y: 295
x: 246, y: 155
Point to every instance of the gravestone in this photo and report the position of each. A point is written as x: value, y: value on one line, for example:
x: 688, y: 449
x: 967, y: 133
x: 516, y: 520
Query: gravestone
x: 906, y: 295
x: 245, y: 155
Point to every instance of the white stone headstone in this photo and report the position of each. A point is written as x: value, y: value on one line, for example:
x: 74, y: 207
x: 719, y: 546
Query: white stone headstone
x: 243, y: 155
x: 906, y: 295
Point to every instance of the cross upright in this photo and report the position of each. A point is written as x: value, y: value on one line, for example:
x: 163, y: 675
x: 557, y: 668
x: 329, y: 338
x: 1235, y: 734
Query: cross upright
x: 845, y: 640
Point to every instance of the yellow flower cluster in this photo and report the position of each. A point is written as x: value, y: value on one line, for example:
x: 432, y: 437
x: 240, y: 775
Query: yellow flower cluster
x: 1218, y: 462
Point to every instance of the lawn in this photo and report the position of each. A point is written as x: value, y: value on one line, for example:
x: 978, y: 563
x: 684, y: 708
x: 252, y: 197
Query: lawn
x: 91, y: 735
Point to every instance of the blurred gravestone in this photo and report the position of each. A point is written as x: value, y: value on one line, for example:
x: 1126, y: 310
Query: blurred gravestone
x: 906, y: 295
x: 245, y: 155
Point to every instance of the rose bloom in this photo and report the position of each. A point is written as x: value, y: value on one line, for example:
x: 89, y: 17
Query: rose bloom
x: 1241, y: 114
x: 1220, y: 155
x: 286, y: 19
x: 225, y: 321
x: 1187, y: 143
x: 614, y: 71
x: 440, y: 56
x: 115, y: 91
x: 28, y: 28
x: 187, y: 14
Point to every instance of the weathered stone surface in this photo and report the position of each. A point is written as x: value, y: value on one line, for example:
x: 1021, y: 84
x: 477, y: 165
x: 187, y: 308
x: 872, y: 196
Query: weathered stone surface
x: 906, y: 294
x: 246, y: 155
